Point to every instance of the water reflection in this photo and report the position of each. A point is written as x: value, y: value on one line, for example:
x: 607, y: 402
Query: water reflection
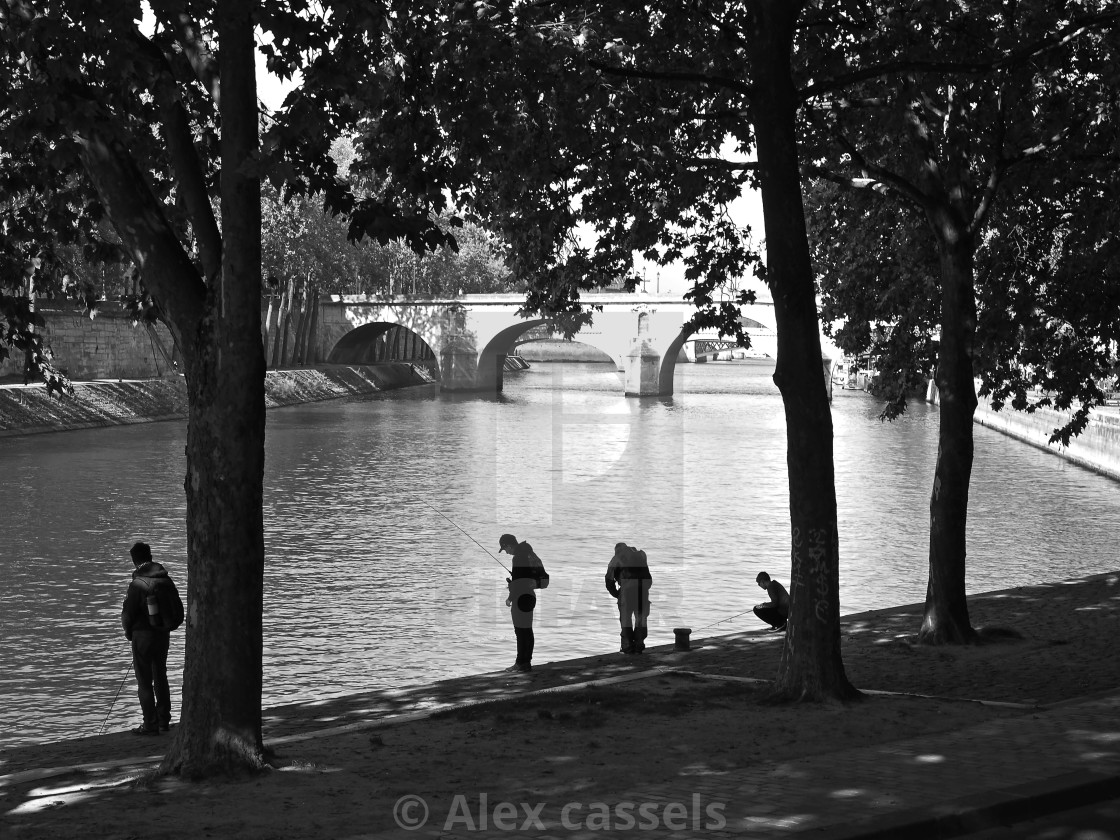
x: 368, y: 583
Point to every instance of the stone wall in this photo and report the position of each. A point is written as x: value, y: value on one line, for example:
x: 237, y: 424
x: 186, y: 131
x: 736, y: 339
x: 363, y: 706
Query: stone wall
x: 29, y: 410
x: 1097, y: 448
x: 107, y: 346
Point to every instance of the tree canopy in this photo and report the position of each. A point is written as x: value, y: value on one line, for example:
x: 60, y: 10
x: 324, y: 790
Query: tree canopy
x: 982, y: 120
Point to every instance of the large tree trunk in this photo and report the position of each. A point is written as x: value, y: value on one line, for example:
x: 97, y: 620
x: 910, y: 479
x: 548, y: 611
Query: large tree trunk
x: 946, y: 609
x: 220, y: 728
x: 811, y: 666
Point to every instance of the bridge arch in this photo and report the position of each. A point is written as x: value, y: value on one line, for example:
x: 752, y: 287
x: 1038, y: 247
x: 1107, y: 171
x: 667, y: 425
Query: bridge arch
x: 503, y: 342
x: 380, y: 341
x: 668, y: 366
x: 543, y: 333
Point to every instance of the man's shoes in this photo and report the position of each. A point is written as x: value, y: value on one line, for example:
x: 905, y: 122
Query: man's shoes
x: 520, y: 666
x: 142, y: 729
x: 165, y: 727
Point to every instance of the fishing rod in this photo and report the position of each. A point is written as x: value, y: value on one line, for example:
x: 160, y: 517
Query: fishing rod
x: 729, y: 618
x: 468, y: 536
x: 127, y: 671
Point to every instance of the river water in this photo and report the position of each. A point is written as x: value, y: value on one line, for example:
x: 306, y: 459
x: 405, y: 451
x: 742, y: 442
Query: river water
x: 372, y: 509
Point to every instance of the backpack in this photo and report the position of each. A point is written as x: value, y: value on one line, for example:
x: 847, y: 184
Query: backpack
x: 538, y: 570
x: 169, y: 612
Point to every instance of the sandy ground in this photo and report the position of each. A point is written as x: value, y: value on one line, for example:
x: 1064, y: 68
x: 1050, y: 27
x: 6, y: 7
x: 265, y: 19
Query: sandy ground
x: 582, y: 730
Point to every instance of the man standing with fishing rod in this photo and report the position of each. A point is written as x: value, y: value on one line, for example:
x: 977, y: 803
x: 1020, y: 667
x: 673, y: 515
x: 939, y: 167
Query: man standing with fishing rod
x: 152, y: 609
x: 526, y: 575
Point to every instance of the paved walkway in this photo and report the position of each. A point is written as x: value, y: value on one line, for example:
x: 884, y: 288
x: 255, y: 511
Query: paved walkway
x: 934, y: 786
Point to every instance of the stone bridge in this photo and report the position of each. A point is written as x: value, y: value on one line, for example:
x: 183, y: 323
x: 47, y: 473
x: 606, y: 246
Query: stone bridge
x: 468, y: 337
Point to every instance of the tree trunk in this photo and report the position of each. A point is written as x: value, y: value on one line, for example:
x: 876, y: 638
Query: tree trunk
x: 312, y: 346
x: 281, y: 323
x: 266, y: 327
x: 811, y: 667
x: 286, y: 330
x: 220, y: 727
x: 946, y: 609
x: 300, y: 354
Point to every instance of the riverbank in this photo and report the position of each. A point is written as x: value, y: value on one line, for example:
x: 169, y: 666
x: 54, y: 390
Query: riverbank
x: 1018, y: 716
x: 1097, y: 448
x: 559, y: 350
x: 31, y: 410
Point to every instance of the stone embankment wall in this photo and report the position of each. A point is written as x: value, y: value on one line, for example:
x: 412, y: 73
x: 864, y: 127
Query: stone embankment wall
x: 1097, y: 448
x: 108, y: 346
x: 28, y: 410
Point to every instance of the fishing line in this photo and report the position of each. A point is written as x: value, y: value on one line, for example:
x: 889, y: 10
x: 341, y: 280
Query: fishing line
x: 729, y: 618
x: 468, y: 536
x: 127, y: 671
x: 499, y: 562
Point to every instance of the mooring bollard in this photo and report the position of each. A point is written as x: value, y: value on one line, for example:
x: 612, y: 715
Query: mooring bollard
x: 682, y: 638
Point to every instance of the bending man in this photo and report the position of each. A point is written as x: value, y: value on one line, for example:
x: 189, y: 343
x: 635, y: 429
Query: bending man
x: 628, y: 580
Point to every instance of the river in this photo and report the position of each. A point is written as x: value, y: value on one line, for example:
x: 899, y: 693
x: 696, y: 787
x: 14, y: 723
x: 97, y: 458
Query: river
x: 372, y: 509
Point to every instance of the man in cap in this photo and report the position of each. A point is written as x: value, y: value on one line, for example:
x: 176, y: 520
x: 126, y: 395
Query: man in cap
x: 527, y: 574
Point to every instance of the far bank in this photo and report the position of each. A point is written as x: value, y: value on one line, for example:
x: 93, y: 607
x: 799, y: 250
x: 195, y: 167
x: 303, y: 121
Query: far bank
x: 31, y: 410
x: 1097, y: 448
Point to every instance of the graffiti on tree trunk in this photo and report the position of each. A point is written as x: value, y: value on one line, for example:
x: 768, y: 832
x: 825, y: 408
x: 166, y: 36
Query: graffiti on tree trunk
x: 815, y: 559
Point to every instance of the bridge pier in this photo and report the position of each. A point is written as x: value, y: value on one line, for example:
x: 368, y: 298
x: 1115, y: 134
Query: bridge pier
x: 458, y: 364
x: 643, y: 370
x: 643, y: 364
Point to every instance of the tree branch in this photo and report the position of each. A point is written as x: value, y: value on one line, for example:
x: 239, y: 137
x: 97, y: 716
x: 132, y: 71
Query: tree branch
x: 991, y: 187
x: 880, y: 175
x: 1049, y: 42
x: 173, y: 14
x: 139, y: 218
x: 727, y: 165
x: 190, y: 178
x: 671, y: 76
x: 914, y: 198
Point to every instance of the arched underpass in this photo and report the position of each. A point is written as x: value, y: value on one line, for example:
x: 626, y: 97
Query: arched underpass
x: 378, y: 342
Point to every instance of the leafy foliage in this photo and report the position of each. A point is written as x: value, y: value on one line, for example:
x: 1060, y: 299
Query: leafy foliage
x: 497, y: 108
x: 1004, y: 122
x: 878, y: 285
x: 302, y: 240
x: 1049, y: 303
